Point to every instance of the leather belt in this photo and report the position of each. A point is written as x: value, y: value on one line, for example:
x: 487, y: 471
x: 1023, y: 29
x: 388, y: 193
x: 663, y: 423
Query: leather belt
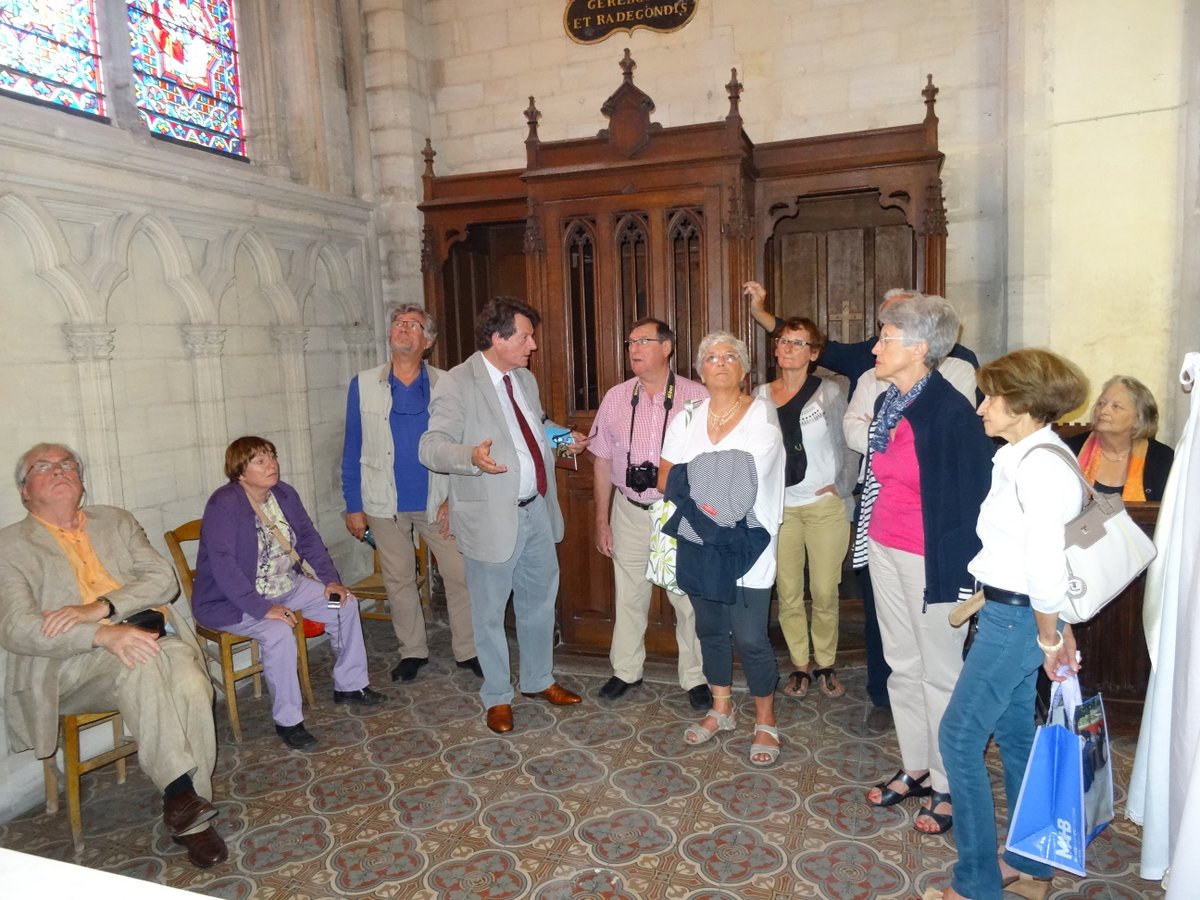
x: 636, y: 503
x: 527, y: 500
x: 999, y: 595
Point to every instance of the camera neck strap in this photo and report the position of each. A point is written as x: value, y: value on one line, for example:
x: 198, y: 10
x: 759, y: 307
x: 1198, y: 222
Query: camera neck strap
x: 668, y: 402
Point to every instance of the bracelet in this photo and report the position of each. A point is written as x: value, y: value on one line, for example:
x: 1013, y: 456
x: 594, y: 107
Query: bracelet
x: 1051, y: 648
x: 112, y: 610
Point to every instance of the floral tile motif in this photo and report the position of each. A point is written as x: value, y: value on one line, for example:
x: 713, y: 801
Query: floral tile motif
x: 844, y: 870
x: 446, y: 709
x: 846, y: 811
x: 862, y: 762
x: 345, y: 790
x: 752, y: 796
x: 481, y: 757
x: 1103, y: 890
x: 279, y: 773
x: 520, y: 821
x: 366, y: 865
x: 1112, y: 852
x: 231, y: 887
x: 596, y: 729
x: 126, y: 809
x: 144, y: 868
x: 391, y: 749
x: 342, y: 731
x: 560, y: 771
x: 712, y: 895
x: 270, y: 847
x: 733, y: 854
x: 491, y: 874
x: 625, y: 835
x: 532, y: 716
x: 791, y: 713
x: 654, y: 782
x: 594, y: 884
x: 433, y: 804
x: 666, y: 740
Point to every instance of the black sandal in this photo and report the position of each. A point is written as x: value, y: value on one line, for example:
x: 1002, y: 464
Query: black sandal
x: 943, y: 821
x: 797, y: 684
x: 917, y: 787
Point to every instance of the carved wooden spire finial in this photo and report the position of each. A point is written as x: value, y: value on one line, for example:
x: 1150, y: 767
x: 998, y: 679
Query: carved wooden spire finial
x: 428, y: 154
x: 627, y: 66
x: 532, y: 114
x: 734, y: 89
x: 930, y: 94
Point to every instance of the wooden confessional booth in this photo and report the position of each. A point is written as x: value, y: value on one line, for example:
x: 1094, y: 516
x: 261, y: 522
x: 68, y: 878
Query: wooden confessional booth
x: 644, y: 220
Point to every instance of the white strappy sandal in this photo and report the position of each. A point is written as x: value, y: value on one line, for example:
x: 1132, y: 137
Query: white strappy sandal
x: 771, y: 751
x: 697, y: 734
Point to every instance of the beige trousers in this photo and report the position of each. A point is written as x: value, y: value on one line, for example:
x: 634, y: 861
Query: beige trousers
x: 925, y: 654
x: 818, y: 534
x: 166, y: 703
x: 631, y: 551
x: 394, y: 540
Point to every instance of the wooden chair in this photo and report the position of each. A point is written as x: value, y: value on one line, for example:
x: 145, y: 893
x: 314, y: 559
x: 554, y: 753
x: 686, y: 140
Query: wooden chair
x: 225, y: 642
x: 75, y: 768
x: 373, y: 588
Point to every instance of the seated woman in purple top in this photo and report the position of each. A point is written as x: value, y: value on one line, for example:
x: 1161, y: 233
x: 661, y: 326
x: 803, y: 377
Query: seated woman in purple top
x: 260, y: 559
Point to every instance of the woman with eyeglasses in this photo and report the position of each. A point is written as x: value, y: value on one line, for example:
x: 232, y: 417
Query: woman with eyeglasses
x: 815, y: 530
x: 722, y: 465
x: 928, y: 468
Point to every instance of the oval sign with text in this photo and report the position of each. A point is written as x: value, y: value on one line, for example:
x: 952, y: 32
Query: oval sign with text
x: 591, y: 21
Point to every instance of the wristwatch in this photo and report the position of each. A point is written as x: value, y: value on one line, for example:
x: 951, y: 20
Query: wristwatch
x: 112, y: 610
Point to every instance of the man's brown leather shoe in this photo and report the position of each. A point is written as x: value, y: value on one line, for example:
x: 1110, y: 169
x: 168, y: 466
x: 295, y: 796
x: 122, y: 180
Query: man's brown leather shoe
x: 204, y: 848
x: 186, y: 810
x: 558, y: 695
x: 499, y: 718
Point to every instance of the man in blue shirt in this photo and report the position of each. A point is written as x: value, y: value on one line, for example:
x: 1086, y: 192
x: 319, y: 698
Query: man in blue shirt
x: 387, y: 490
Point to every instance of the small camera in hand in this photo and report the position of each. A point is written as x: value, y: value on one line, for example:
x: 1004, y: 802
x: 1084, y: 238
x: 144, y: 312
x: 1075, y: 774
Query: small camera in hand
x: 641, y: 478
x: 334, y: 601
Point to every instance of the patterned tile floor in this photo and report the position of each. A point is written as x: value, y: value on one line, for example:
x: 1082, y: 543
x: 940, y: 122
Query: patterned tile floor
x: 417, y: 799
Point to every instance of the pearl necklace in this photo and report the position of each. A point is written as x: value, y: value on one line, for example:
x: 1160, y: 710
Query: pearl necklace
x: 719, y: 421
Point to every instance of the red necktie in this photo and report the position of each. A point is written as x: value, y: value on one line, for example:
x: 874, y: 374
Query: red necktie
x: 539, y: 465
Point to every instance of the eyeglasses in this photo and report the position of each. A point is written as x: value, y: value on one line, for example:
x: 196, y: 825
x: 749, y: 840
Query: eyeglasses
x: 788, y: 342
x: 43, y: 466
x: 409, y: 325
x: 728, y: 358
x: 889, y: 338
x: 641, y: 342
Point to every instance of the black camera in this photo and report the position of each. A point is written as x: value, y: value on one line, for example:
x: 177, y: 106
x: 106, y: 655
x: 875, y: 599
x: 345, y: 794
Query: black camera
x: 641, y: 478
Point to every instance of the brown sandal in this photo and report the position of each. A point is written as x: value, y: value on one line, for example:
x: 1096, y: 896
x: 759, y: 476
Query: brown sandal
x: 797, y: 685
x: 828, y: 682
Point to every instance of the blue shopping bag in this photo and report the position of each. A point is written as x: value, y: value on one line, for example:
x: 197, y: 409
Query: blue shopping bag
x: 1066, y: 796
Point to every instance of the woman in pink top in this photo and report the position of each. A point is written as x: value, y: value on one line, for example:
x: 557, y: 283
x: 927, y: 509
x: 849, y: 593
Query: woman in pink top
x: 928, y: 470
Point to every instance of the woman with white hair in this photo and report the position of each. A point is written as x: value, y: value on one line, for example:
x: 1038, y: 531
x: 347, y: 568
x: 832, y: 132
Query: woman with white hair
x: 722, y: 464
x: 928, y: 468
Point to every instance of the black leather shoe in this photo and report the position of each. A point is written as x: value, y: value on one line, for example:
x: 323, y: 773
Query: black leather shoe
x: 406, y: 669
x: 472, y: 664
x: 700, y: 697
x: 615, y: 688
x: 185, y: 810
x: 296, y: 736
x: 204, y: 848
x: 363, y: 697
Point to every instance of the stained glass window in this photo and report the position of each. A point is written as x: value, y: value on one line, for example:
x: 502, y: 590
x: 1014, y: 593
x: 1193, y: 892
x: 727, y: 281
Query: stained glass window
x: 48, y: 51
x: 185, y: 71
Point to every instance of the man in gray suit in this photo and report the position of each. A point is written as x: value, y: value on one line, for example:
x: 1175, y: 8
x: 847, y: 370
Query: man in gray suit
x: 486, y: 431
x: 70, y: 580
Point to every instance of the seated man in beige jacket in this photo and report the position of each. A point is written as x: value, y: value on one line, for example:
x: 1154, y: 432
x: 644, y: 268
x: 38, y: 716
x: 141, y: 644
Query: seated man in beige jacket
x: 70, y: 577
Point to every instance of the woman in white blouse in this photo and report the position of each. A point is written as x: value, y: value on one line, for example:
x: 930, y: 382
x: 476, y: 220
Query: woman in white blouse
x: 1022, y: 571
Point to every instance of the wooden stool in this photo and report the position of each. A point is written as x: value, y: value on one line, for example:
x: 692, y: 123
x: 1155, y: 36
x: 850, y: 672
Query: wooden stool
x: 75, y: 768
x: 373, y: 588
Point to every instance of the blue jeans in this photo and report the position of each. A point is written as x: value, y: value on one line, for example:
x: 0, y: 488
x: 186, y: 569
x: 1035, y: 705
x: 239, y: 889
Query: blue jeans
x: 994, y: 695
x: 746, y: 620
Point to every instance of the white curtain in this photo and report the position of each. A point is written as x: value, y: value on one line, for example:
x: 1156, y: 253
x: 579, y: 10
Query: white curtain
x: 1164, y: 792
